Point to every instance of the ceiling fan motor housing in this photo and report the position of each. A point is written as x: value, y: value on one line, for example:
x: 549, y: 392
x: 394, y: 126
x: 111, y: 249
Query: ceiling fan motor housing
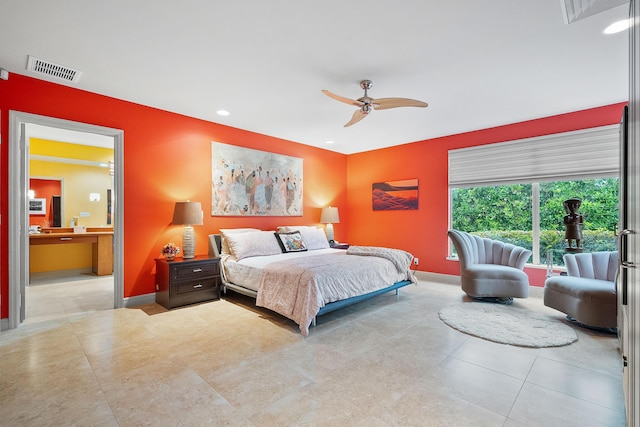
x: 366, y: 84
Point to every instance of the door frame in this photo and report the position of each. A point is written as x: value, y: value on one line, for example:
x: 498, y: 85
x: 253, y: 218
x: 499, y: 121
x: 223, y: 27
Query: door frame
x: 18, y: 220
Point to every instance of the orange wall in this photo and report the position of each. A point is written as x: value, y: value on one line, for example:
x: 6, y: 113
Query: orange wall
x: 167, y: 158
x: 423, y: 232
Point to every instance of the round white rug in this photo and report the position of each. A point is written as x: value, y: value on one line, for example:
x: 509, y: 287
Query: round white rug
x: 507, y: 325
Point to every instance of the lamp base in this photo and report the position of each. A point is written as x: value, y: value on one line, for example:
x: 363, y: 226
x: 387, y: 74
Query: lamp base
x: 188, y: 242
x: 329, y: 232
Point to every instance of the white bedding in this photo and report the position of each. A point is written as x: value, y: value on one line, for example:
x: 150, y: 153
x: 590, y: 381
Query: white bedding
x: 298, y: 284
x: 247, y: 272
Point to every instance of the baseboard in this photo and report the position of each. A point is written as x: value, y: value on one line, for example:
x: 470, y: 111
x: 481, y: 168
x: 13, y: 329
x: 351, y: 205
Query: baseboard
x: 139, y: 300
x: 428, y: 276
x: 4, y: 324
x: 55, y: 274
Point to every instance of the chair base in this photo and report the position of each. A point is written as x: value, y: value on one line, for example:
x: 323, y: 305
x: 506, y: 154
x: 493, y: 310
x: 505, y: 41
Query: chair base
x: 593, y: 328
x: 495, y: 300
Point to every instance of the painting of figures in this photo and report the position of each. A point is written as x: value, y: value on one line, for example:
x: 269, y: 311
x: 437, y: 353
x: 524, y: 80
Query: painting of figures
x: 247, y: 182
x: 395, y: 195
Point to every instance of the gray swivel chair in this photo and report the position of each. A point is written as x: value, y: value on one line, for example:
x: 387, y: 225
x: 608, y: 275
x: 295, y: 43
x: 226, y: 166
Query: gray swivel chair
x: 490, y: 269
x: 587, y: 294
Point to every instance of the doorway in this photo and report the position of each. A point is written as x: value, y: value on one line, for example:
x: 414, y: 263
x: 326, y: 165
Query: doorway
x: 20, y: 126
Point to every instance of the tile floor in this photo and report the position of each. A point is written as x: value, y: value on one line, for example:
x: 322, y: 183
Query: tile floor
x: 386, y: 362
x: 50, y: 298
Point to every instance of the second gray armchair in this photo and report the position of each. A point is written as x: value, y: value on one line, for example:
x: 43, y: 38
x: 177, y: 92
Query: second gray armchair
x: 490, y: 269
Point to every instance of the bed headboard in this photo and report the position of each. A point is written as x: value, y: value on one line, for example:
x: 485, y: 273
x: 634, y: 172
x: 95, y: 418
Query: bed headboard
x: 215, y: 245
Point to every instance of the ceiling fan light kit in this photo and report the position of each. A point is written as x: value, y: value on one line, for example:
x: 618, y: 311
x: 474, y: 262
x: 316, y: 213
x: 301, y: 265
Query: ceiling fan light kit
x: 367, y: 104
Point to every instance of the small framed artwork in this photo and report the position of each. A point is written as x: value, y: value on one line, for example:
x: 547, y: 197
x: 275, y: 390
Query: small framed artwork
x: 37, y: 206
x: 395, y: 195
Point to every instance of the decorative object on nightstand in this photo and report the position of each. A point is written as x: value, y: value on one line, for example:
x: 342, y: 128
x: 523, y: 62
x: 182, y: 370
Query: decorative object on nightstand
x: 187, y: 281
x: 338, y: 245
x: 329, y: 216
x: 188, y: 214
x: 169, y: 251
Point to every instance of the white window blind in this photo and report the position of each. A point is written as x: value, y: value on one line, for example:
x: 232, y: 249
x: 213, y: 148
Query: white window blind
x: 583, y: 154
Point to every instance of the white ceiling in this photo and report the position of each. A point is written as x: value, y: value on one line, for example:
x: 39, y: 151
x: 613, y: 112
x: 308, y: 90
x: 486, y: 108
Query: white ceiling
x: 477, y: 63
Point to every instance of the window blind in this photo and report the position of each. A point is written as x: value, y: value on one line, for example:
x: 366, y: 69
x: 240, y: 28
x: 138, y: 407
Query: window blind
x: 583, y: 154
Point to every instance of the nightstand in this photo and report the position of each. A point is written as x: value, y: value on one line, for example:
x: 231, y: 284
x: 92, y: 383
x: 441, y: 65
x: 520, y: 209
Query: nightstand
x: 187, y: 281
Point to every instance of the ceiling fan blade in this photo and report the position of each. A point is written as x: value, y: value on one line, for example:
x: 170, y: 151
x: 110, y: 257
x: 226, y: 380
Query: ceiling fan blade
x: 357, y: 116
x: 385, y: 103
x: 342, y: 98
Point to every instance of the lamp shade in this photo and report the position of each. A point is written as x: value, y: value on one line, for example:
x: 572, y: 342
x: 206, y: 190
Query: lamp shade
x: 187, y: 213
x: 329, y: 215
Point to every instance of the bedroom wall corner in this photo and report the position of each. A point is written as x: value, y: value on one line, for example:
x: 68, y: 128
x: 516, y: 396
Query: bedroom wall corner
x: 423, y: 232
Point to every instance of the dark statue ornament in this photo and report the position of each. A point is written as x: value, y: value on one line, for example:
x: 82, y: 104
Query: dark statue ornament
x: 573, y: 223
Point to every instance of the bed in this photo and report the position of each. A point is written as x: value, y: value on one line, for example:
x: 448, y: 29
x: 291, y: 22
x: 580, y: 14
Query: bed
x: 295, y: 273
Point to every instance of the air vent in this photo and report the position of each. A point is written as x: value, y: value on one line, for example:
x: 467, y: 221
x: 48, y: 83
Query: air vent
x: 574, y: 10
x: 51, y: 69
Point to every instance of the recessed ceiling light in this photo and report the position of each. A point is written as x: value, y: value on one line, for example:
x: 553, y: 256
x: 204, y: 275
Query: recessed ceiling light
x: 222, y: 112
x: 618, y: 26
x: 330, y: 142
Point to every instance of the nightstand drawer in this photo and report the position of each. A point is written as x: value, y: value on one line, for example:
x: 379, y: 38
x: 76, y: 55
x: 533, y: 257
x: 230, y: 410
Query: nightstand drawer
x: 193, y: 271
x: 199, y: 286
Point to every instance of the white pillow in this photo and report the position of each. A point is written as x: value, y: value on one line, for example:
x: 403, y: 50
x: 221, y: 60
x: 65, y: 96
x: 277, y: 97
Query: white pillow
x: 314, y: 237
x: 224, y: 231
x: 253, y: 243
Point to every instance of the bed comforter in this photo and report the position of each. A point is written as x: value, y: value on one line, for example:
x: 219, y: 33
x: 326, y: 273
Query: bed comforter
x: 298, y: 288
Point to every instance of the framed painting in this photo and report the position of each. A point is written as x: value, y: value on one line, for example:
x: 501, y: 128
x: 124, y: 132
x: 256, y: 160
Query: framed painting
x: 37, y: 206
x: 247, y: 182
x: 395, y: 195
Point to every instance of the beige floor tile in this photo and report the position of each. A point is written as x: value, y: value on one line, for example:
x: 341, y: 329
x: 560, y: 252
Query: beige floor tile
x: 595, y: 387
x: 509, y: 360
x: 314, y: 406
x: 425, y: 405
x: 388, y: 361
x: 481, y: 386
x: 253, y: 386
x: 539, y: 406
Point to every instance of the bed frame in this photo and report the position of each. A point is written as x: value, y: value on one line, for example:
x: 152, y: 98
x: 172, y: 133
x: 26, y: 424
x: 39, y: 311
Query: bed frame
x: 215, y: 248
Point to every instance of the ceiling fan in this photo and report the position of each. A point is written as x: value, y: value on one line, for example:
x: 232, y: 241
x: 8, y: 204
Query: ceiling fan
x: 367, y: 104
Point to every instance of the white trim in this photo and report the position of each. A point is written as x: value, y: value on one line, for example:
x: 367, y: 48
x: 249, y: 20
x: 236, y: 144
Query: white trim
x: 535, y: 222
x: 18, y: 183
x: 583, y: 154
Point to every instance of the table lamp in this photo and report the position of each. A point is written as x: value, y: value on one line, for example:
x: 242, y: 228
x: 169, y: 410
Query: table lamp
x: 329, y: 216
x: 188, y: 214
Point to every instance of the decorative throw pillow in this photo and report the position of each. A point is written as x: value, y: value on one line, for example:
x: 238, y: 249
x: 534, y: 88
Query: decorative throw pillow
x: 252, y: 243
x: 291, y: 242
x: 314, y: 237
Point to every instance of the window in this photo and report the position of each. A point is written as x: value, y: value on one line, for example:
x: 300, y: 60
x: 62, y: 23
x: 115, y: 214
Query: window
x: 514, y: 191
x: 531, y: 215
